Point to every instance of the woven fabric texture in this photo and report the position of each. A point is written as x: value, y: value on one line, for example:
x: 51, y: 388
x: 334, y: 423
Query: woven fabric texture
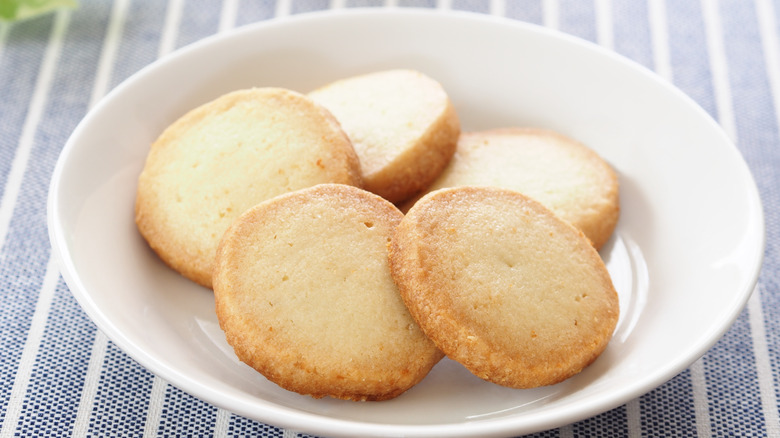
x: 60, y: 376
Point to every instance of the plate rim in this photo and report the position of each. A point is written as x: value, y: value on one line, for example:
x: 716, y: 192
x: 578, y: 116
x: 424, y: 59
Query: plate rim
x: 295, y: 419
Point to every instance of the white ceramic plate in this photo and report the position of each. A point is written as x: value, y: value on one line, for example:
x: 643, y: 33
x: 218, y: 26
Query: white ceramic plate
x: 691, y: 234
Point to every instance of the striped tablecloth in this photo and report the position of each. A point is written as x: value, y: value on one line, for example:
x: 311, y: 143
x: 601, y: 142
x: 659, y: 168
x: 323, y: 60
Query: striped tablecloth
x: 60, y: 376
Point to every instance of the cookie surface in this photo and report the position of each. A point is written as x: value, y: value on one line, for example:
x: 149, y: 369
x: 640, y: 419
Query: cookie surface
x: 304, y: 295
x: 561, y: 173
x: 402, y: 124
x: 224, y: 157
x: 503, y: 286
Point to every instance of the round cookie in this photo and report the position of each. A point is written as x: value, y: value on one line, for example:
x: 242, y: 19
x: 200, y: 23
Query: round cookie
x: 402, y: 124
x: 561, y: 173
x: 224, y: 157
x: 503, y: 286
x: 304, y: 295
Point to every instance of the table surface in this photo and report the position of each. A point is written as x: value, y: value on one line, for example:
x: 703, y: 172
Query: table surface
x: 59, y: 376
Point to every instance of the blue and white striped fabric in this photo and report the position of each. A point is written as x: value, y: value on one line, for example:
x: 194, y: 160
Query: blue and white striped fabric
x: 60, y: 376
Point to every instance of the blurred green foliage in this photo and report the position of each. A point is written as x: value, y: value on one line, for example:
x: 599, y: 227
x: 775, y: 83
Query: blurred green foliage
x: 17, y: 10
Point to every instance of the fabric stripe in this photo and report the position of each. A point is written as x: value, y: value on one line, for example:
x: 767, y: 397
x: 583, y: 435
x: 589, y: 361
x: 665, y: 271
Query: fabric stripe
x: 719, y: 67
x: 289, y: 434
x: 155, y: 407
x: 550, y: 13
x: 10, y: 197
x: 763, y: 365
x: 110, y: 47
x: 170, y: 29
x: 228, y: 16
x: 634, y: 418
x: 497, y: 7
x: 34, y: 335
x: 36, y: 109
x: 604, y: 25
x: 91, y: 383
x: 660, y: 38
x: 222, y: 423
x: 701, y: 405
x: 283, y: 8
x: 566, y: 431
x: 771, y: 50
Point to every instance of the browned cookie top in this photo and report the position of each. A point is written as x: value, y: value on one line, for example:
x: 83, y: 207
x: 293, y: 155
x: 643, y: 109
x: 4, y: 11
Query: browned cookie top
x: 304, y: 294
x: 402, y: 124
x: 224, y: 157
x: 503, y: 286
x: 566, y: 176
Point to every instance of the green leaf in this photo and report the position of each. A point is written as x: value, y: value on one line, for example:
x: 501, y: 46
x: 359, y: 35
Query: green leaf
x: 16, y: 10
